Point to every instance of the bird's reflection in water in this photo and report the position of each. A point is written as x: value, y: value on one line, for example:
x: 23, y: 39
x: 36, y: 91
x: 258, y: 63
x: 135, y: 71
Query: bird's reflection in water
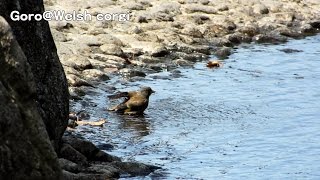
x: 139, y: 123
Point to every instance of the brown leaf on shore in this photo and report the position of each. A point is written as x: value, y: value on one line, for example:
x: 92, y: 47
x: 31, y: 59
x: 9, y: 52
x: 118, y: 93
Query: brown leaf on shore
x: 92, y: 123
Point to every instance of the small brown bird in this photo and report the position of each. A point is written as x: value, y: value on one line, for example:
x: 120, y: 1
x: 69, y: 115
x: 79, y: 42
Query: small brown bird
x: 135, y: 103
x: 214, y: 64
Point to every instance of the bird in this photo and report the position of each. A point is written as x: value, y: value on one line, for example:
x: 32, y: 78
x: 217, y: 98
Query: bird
x: 135, y: 101
x: 214, y: 64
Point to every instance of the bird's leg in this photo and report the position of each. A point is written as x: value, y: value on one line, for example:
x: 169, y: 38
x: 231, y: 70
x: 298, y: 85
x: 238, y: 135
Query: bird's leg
x: 131, y: 113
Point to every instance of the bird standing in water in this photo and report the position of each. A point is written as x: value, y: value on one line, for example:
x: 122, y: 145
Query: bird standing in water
x: 135, y: 103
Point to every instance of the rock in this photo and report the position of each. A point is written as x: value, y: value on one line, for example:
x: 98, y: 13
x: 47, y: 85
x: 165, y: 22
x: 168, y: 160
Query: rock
x: 159, y: 51
x: 315, y: 24
x: 109, y: 39
x: 192, y: 31
x: 249, y: 29
x: 165, y: 11
x: 135, y: 30
x: 129, y: 73
x: 160, y: 16
x: 307, y: 29
x: 269, y: 38
x: 238, y: 38
x: 204, y: 2
x: 25, y: 148
x: 71, y: 70
x: 83, y: 115
x: 285, y: 18
x: 111, y: 49
x: 260, y: 9
x: 182, y: 62
x: 76, y: 93
x: 288, y: 50
x: 223, y: 52
x: 222, y: 7
x: 203, y: 49
x: 78, y: 62
x: 193, y: 57
x: 76, y: 81
x: 89, y: 150
x: 85, y: 175
x: 285, y: 31
x: 132, y: 52
x: 107, y: 58
x: 36, y: 42
x: 171, y: 8
x: 95, y: 75
x: 134, y: 6
x: 69, y: 165
x: 200, y: 8
x: 134, y: 168
x: 68, y: 152
x: 200, y: 19
x: 215, y: 30
x: 141, y: 19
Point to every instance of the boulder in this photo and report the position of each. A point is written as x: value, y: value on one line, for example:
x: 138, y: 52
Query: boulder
x: 35, y: 40
x: 25, y: 148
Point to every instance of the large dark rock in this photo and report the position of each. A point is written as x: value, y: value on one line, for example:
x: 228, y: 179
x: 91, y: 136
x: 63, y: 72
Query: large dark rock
x: 36, y: 42
x: 25, y: 149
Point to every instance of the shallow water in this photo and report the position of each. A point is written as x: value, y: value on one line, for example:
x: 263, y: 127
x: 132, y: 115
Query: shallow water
x: 257, y: 117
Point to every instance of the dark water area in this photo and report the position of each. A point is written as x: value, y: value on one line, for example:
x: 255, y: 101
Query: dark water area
x: 257, y: 117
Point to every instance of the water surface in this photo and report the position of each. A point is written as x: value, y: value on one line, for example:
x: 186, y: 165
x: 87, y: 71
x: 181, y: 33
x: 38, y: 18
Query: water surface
x: 257, y: 117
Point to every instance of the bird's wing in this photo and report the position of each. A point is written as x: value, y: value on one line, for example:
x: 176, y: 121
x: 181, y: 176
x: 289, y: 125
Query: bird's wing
x: 137, y: 103
x: 128, y: 94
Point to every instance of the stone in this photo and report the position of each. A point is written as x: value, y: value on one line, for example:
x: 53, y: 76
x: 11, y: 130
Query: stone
x: 95, y: 74
x: 68, y: 152
x: 134, y: 168
x: 200, y: 8
x: 25, y: 149
x: 222, y: 7
x: 129, y: 73
x: 249, y: 29
x: 159, y: 51
x: 270, y: 38
x: 112, y: 49
x: 89, y: 150
x: 78, y: 62
x: 238, y: 38
x: 134, y: 6
x: 192, y: 31
x: 223, y: 52
x: 260, y: 9
x: 76, y: 81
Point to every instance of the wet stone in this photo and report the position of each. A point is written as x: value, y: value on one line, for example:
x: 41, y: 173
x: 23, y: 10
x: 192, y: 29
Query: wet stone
x: 131, y: 73
x: 159, y: 51
x: 95, y: 74
x: 223, y: 52
x: 288, y: 50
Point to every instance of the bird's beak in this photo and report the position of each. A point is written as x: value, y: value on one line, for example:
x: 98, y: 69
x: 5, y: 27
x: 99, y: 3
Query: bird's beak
x: 153, y: 91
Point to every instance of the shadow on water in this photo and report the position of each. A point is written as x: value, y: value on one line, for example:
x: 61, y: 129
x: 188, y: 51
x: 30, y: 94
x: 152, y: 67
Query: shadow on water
x: 139, y: 124
x: 256, y: 117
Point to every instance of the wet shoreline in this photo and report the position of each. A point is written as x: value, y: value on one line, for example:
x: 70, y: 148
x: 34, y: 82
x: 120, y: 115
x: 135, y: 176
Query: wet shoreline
x: 253, y: 116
